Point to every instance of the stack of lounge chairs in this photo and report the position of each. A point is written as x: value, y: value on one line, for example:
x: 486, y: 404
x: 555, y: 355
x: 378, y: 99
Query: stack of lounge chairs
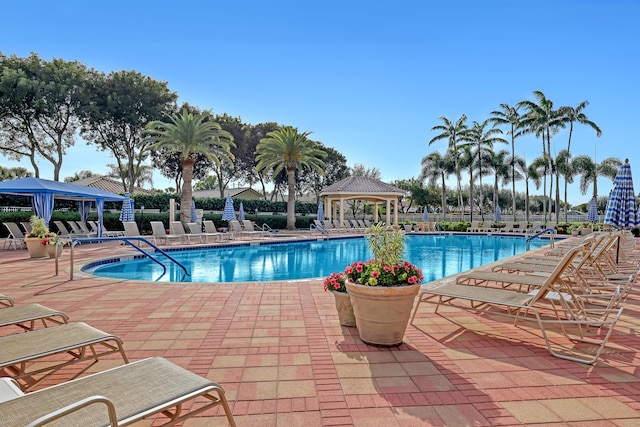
x: 574, y: 293
x: 118, y: 396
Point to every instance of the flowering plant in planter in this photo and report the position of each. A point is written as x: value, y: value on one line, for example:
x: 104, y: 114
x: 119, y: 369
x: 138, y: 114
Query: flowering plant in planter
x: 49, y: 238
x: 387, y: 267
x: 335, y: 282
x: 38, y: 227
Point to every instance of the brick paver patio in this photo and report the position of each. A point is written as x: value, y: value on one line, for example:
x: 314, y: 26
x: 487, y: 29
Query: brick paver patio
x: 283, y: 359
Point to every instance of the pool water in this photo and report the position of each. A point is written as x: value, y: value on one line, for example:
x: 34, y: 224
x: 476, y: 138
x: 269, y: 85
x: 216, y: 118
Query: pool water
x: 437, y: 255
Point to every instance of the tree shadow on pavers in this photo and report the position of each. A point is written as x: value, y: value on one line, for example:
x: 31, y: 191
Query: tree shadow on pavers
x: 406, y: 385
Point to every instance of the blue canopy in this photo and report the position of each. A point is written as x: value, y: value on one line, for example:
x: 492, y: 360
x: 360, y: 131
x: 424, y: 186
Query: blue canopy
x: 44, y: 192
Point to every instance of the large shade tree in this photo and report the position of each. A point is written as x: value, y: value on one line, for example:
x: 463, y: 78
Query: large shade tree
x: 189, y: 135
x: 287, y: 149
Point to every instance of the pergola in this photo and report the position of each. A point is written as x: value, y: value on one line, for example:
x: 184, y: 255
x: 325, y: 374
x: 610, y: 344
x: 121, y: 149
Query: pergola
x: 362, y: 188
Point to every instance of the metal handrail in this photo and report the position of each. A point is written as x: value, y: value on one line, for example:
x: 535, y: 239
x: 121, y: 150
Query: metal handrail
x: 128, y: 240
x: 533, y: 236
x: 320, y: 228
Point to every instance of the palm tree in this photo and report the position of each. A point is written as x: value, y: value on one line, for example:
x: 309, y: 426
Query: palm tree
x: 575, y: 115
x: 542, y: 120
x: 483, y: 140
x: 434, y: 167
x: 537, y: 169
x: 286, y: 149
x: 190, y: 134
x: 453, y: 132
x: 566, y: 169
x: 511, y: 117
x: 499, y: 163
x: 589, y: 171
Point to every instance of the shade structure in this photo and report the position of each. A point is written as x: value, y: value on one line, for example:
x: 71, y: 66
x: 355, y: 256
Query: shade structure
x: 320, y: 211
x: 592, y: 216
x: 126, y: 213
x: 425, y: 214
x: 229, y: 213
x: 194, y: 216
x: 496, y: 216
x: 241, y: 212
x: 622, y: 211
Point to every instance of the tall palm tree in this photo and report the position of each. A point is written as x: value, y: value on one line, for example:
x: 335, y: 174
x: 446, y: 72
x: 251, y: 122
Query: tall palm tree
x: 453, y: 132
x: 510, y: 117
x: 543, y: 121
x: 436, y: 166
x: 575, y: 115
x: 565, y: 168
x: 481, y: 139
x: 498, y: 162
x: 538, y: 169
x: 286, y: 149
x: 589, y: 171
x: 190, y: 134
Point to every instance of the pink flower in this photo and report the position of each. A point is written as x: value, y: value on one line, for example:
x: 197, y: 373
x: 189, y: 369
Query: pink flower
x: 375, y: 274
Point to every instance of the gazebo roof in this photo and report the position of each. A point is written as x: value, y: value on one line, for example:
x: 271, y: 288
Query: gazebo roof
x: 361, y: 185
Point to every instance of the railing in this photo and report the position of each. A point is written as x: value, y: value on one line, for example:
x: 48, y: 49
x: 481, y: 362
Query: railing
x: 129, y: 241
x: 532, y: 236
x: 320, y: 228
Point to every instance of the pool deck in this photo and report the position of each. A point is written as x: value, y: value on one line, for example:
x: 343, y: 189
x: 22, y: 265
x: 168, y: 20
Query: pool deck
x: 283, y: 359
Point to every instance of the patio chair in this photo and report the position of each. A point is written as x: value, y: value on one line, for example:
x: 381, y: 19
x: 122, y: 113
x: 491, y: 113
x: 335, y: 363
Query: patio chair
x: 16, y: 236
x: 26, y: 225
x: 117, y: 397
x: 63, y: 231
x: 76, y: 231
x: 248, y: 225
x: 210, y: 229
x: 474, y: 227
x: 79, y: 342
x: 28, y: 316
x: 159, y: 232
x: 105, y: 232
x: 237, y: 230
x: 177, y: 229
x: 84, y: 229
x: 196, y: 230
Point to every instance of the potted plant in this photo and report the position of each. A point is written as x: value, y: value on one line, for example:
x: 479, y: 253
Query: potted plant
x: 34, y: 239
x: 53, y: 245
x: 383, y: 289
x: 335, y: 284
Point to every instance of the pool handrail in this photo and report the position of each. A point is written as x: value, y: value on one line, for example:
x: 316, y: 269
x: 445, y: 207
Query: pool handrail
x: 320, y: 228
x: 539, y: 233
x: 127, y: 240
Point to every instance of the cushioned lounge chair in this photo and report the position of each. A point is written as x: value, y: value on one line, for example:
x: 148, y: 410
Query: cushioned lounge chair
x: 28, y: 316
x: 78, y: 342
x: 120, y: 396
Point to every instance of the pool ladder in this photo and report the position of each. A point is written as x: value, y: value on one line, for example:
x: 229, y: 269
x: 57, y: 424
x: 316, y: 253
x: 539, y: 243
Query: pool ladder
x: 533, y: 233
x: 129, y: 241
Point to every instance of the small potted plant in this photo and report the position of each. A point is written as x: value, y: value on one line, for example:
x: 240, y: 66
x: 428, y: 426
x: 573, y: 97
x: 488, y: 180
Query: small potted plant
x: 53, y: 245
x: 383, y: 289
x: 335, y: 284
x: 35, y: 237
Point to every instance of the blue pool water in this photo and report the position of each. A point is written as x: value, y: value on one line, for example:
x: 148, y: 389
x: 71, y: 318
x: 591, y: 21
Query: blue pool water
x: 437, y: 255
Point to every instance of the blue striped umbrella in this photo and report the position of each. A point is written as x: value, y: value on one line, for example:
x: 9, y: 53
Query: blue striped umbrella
x: 592, y: 216
x: 621, y: 206
x: 194, y: 216
x: 241, y: 212
x: 320, y: 211
x: 126, y: 214
x: 229, y: 213
x: 425, y: 215
x: 496, y: 216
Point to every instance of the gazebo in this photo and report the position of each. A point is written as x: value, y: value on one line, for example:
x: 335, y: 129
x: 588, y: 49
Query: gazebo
x: 362, y: 188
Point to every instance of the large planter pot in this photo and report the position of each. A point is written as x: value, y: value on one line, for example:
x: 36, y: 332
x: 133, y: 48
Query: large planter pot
x: 52, y: 249
x: 35, y: 247
x: 344, y: 309
x: 382, y: 313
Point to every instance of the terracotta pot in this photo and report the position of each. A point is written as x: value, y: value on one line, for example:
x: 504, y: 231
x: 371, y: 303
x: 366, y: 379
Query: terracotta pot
x: 382, y: 313
x: 52, y: 249
x: 344, y: 308
x: 35, y: 247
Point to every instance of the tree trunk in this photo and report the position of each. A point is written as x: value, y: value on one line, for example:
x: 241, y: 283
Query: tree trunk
x: 291, y: 200
x: 186, y: 194
x: 444, y: 200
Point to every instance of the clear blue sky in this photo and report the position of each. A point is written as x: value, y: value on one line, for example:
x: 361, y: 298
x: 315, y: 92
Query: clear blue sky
x: 369, y: 79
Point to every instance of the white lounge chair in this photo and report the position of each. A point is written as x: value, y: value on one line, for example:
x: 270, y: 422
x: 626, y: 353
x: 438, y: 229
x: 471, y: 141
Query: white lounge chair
x: 159, y: 232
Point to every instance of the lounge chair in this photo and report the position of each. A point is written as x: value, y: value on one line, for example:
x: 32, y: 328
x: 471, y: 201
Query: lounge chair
x: 159, y: 232
x: 78, y: 340
x: 569, y: 310
x: 474, y: 227
x: 211, y: 230
x: 16, y: 236
x: 77, y: 231
x: 63, y: 231
x: 195, y: 229
x: 117, y: 397
x: 356, y: 227
x: 84, y: 229
x: 248, y: 225
x: 6, y: 301
x: 105, y: 232
x: 177, y: 229
x: 28, y: 316
x: 26, y: 225
x: 238, y: 230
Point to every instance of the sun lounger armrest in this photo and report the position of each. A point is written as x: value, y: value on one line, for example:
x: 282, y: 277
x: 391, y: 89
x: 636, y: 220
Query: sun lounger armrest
x: 111, y: 410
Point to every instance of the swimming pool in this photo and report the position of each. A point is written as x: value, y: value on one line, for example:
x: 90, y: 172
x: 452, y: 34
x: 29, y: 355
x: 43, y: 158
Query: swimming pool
x: 437, y: 255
